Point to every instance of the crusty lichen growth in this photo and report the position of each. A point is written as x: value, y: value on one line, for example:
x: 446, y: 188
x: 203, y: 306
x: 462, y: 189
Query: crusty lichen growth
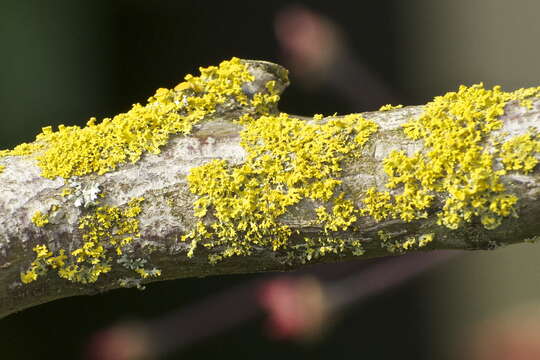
x: 43, y: 261
x: 410, y: 242
x: 518, y: 153
x: 388, y: 107
x: 40, y: 219
x: 101, y: 147
x: 107, y: 232
x: 288, y: 160
x: 291, y: 160
x: 459, y: 161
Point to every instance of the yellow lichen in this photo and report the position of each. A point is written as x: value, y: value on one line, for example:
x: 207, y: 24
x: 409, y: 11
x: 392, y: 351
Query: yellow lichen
x: 240, y: 207
x: 288, y: 160
x: 40, y: 219
x: 66, y: 192
x: 314, y: 248
x: 106, y: 232
x: 101, y: 147
x: 22, y: 149
x: 342, y: 216
x: 144, y: 273
x: 42, y: 262
x: 388, y: 107
x: 518, y: 153
x: 410, y: 242
x: 456, y: 162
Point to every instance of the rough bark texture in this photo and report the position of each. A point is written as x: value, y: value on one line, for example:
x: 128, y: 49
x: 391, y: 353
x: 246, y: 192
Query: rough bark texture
x: 167, y: 212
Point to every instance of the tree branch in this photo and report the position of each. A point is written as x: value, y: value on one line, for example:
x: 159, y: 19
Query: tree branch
x: 62, y: 212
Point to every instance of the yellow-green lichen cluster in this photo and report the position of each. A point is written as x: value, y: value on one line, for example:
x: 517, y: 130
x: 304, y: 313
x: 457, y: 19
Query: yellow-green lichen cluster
x: 314, y: 248
x: 42, y: 263
x: 106, y: 233
x: 101, y: 147
x: 518, y: 153
x: 410, y: 242
x: 342, y: 214
x: 40, y: 219
x: 288, y: 160
x: 241, y: 207
x: 388, y: 107
x: 459, y: 161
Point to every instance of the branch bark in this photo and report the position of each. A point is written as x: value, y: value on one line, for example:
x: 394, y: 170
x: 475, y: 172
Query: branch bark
x: 167, y: 211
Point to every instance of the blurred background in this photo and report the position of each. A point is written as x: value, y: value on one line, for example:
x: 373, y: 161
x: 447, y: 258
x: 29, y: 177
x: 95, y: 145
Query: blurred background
x: 64, y: 61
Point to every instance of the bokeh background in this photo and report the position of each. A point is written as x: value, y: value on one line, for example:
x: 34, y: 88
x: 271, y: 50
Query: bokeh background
x: 63, y: 61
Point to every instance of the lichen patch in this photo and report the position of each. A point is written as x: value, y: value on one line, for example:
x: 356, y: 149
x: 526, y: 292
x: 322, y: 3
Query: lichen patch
x: 107, y: 232
x: 102, y: 146
x: 288, y: 160
x: 459, y: 162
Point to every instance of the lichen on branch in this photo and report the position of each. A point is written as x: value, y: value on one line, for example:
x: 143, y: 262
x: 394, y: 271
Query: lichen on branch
x: 289, y: 160
x: 107, y: 232
x: 102, y: 146
x: 298, y: 188
x: 459, y: 161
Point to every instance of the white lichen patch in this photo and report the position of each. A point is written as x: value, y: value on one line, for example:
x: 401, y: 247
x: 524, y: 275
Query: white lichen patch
x: 84, y: 195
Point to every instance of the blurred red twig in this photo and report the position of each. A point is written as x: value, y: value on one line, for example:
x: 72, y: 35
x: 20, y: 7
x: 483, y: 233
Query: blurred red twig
x: 298, y: 306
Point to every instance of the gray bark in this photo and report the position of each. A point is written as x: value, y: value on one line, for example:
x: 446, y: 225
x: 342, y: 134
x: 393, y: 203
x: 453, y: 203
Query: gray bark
x: 168, y: 211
